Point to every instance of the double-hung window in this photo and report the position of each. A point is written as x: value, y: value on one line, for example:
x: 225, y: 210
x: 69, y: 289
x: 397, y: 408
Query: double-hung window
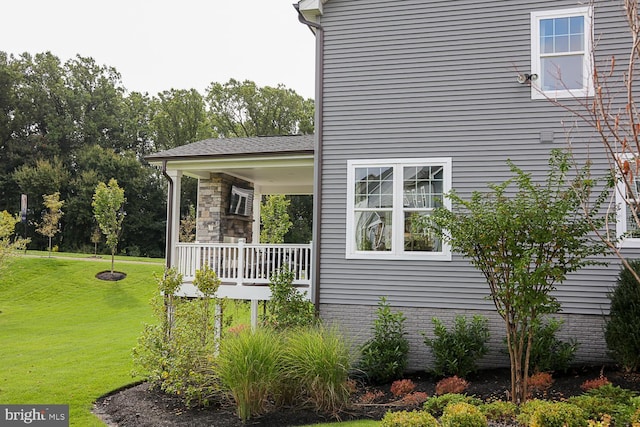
x: 628, y: 201
x: 561, y: 42
x: 388, y: 208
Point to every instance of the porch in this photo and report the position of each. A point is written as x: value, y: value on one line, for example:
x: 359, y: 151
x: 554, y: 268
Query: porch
x: 245, y: 269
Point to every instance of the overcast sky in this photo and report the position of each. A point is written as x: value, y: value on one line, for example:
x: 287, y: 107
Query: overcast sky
x: 158, y: 45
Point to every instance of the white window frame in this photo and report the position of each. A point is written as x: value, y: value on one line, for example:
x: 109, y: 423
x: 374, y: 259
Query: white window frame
x: 536, y: 57
x: 621, y: 213
x: 397, y: 251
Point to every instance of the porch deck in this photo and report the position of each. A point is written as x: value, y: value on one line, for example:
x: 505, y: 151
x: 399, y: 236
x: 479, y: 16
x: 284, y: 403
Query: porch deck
x: 244, y: 269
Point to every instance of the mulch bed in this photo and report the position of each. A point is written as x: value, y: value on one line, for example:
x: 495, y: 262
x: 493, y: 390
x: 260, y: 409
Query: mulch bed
x: 140, y: 406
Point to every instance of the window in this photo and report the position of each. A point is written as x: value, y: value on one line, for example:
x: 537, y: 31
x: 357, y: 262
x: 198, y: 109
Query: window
x: 626, y: 196
x: 388, y: 204
x: 561, y: 43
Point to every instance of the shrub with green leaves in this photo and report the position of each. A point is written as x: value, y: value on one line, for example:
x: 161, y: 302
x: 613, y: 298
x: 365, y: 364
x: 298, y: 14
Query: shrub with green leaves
x: 408, y: 419
x: 548, y: 353
x: 542, y: 413
x: 317, y: 362
x: 616, y: 393
x: 596, y: 407
x: 249, y: 366
x: 435, y: 405
x: 499, y: 410
x: 462, y: 414
x: 384, y: 356
x: 622, y: 330
x: 457, y: 351
x: 287, y: 307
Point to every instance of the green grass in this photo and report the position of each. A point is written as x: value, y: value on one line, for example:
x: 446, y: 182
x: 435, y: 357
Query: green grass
x: 66, y: 337
x: 89, y: 257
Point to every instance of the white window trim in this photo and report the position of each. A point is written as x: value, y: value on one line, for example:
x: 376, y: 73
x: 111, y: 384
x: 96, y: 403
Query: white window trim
x: 398, y: 252
x: 536, y: 65
x: 621, y: 213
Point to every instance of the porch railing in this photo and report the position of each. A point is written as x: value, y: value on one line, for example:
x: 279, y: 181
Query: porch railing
x: 245, y: 263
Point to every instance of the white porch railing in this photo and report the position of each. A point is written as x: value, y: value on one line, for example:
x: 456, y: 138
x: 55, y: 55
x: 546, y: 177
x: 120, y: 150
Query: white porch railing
x: 243, y: 263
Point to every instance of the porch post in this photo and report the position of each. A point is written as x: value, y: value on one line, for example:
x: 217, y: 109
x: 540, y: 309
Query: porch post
x: 173, y: 229
x: 255, y: 228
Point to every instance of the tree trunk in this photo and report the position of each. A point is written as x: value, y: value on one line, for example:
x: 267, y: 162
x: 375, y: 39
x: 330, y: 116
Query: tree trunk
x: 113, y: 256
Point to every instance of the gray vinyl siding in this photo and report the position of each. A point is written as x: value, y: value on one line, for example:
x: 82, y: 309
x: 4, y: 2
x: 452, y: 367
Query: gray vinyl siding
x: 409, y: 79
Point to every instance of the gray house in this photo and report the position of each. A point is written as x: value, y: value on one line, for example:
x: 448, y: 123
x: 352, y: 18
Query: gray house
x: 414, y: 98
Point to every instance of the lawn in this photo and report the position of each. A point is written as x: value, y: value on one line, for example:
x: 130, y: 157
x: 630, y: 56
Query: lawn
x: 67, y: 336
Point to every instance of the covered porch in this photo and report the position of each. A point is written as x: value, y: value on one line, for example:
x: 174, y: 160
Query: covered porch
x: 233, y: 174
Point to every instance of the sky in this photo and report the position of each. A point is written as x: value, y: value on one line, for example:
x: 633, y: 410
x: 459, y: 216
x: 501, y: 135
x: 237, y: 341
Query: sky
x: 158, y: 45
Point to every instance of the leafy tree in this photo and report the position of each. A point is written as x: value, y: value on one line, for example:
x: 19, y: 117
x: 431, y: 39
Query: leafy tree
x: 275, y: 219
x: 8, y: 247
x: 107, y: 207
x: 524, y: 245
x: 50, y: 225
x: 301, y: 213
x: 96, y: 236
x: 240, y: 109
x: 188, y: 226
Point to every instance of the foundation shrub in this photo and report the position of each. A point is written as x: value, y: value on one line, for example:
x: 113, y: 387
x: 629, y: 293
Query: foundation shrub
x: 616, y: 394
x: 595, y: 408
x: 371, y: 396
x: 384, y: 356
x: 408, y: 419
x: 595, y: 383
x: 415, y: 398
x: 622, y: 330
x: 540, y: 381
x: 435, y: 405
x: 457, y: 351
x: 451, y: 385
x: 463, y: 414
x: 542, y: 413
x: 287, y: 307
x: 548, y: 352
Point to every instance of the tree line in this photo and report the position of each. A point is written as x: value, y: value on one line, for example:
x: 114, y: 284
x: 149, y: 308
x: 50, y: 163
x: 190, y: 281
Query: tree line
x: 67, y: 126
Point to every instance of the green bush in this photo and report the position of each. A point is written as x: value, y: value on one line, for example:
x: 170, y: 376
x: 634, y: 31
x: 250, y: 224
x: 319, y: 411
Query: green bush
x: 456, y: 352
x: 384, y: 356
x: 595, y: 407
x: 249, y: 367
x: 616, y: 393
x: 499, y: 410
x: 287, y: 307
x: 435, y: 405
x: 622, y: 330
x: 542, y: 413
x: 317, y: 362
x: 462, y: 414
x: 548, y: 353
x: 408, y: 419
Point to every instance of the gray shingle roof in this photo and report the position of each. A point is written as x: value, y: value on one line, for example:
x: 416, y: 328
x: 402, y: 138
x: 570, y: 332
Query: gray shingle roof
x: 258, y: 145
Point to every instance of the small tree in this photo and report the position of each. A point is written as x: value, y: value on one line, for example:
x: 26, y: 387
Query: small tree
x: 107, y: 208
x: 188, y: 226
x: 275, y: 219
x: 96, y: 236
x: 524, y: 245
x: 50, y: 225
x: 9, y: 247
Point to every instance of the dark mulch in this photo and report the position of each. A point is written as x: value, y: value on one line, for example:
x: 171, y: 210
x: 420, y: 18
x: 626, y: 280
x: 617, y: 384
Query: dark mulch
x: 108, y: 275
x: 139, y: 406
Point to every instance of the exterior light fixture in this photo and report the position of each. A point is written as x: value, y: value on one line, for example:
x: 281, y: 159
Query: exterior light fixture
x: 524, y: 78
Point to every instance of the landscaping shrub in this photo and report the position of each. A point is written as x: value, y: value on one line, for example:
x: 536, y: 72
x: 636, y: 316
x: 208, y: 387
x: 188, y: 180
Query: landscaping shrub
x: 596, y: 408
x: 499, y: 410
x: 287, y: 307
x: 616, y: 393
x: 595, y: 383
x: 451, y: 385
x: 408, y: 419
x: 622, y: 330
x: 548, y: 353
x: 318, y: 362
x: 384, y: 356
x: 402, y: 387
x: 542, y: 413
x: 540, y: 381
x: 462, y: 414
x: 456, y: 352
x: 435, y: 405
x: 415, y: 398
x: 249, y: 367
x: 371, y: 396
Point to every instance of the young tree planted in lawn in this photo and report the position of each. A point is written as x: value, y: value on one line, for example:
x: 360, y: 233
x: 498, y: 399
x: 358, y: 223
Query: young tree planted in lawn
x: 525, y: 244
x: 107, y: 208
x: 50, y: 225
x: 275, y: 219
x: 9, y: 247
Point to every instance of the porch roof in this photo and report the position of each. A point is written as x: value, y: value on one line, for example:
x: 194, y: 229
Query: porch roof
x: 222, y: 147
x: 274, y: 164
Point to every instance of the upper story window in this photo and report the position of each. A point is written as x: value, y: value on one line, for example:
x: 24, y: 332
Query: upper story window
x: 561, y: 42
x: 388, y: 204
x: 627, y: 196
